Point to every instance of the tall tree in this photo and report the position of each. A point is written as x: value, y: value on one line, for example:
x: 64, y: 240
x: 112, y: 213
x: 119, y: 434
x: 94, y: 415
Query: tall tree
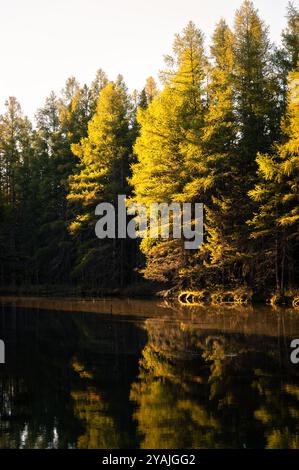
x: 60, y: 123
x: 255, y: 119
x: 168, y: 145
x: 276, y: 222
x: 252, y: 51
x: 290, y: 38
x: 103, y: 168
x: 150, y: 89
x: 217, y: 183
x: 285, y: 57
x: 15, y: 162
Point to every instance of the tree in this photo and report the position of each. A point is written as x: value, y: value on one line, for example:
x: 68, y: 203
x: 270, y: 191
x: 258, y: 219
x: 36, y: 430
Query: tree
x: 103, y: 168
x: 290, y: 40
x: 150, y: 89
x: 96, y: 87
x: 276, y: 223
x: 218, y: 182
x: 15, y: 162
x: 168, y: 143
x: 252, y: 127
x: 285, y: 57
x: 252, y: 74
x: 60, y: 123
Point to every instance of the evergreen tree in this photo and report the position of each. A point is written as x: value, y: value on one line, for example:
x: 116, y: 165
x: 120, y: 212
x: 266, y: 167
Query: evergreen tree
x: 288, y: 54
x: 285, y: 58
x: 103, y: 168
x: 95, y: 89
x: 218, y: 182
x: 15, y: 162
x: 276, y: 222
x: 252, y: 75
x: 252, y: 127
x: 60, y: 123
x: 168, y: 145
x: 150, y: 89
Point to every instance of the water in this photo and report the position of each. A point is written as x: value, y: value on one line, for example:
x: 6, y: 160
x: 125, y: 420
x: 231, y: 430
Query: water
x: 130, y: 374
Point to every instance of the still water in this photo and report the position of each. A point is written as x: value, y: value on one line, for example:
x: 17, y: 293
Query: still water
x: 149, y: 374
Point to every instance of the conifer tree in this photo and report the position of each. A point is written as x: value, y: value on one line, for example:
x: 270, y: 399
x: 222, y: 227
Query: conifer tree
x: 218, y: 183
x: 254, y: 128
x: 252, y: 75
x: 150, y: 89
x: 168, y: 144
x: 290, y: 39
x: 276, y: 222
x: 103, y: 168
x: 60, y: 123
x: 15, y: 162
x: 95, y: 89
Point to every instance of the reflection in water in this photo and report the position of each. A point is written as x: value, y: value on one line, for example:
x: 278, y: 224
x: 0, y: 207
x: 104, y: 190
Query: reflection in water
x: 157, y: 376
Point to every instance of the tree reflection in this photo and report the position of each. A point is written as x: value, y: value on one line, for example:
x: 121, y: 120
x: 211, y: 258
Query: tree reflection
x: 278, y: 412
x: 66, y: 381
x: 87, y: 380
x: 199, y: 388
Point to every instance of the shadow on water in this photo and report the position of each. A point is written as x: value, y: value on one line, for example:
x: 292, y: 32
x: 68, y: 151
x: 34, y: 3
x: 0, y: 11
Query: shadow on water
x: 131, y: 373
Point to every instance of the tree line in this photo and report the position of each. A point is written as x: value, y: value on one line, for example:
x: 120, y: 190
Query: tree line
x: 222, y: 130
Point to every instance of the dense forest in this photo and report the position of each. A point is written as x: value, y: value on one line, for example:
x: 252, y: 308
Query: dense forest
x: 221, y: 129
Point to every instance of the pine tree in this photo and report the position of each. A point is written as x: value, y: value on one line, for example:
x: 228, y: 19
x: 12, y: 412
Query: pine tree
x: 276, y: 223
x: 168, y: 145
x: 150, y: 89
x: 60, y: 123
x: 252, y: 74
x: 15, y: 162
x: 285, y: 58
x: 254, y: 118
x: 103, y: 168
x: 95, y: 89
x: 290, y: 38
x: 218, y: 183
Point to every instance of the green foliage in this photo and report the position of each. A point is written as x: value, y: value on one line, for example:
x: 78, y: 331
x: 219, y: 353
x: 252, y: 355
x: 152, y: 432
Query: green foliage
x: 102, y: 171
x: 276, y: 221
x: 169, y: 145
x: 222, y: 131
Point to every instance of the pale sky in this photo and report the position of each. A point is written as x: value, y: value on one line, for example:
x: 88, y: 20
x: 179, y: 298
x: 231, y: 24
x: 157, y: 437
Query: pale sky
x: 43, y: 42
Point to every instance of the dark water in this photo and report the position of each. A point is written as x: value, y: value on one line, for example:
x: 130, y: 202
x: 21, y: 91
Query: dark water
x: 129, y: 374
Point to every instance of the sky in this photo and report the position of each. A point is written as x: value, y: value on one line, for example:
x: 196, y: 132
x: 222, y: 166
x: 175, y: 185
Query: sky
x: 43, y: 42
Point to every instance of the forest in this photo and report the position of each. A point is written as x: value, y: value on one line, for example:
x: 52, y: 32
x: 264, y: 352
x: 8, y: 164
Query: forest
x: 221, y: 128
